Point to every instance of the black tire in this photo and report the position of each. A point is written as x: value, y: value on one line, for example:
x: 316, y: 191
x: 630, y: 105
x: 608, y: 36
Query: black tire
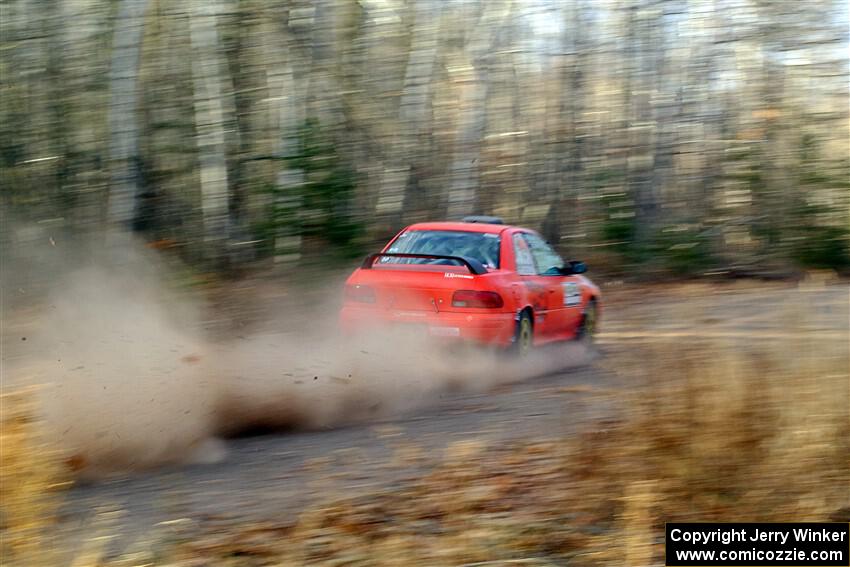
x: 587, y: 328
x: 523, y: 335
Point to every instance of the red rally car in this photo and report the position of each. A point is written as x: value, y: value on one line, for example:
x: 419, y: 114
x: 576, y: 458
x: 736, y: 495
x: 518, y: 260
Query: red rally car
x: 479, y: 281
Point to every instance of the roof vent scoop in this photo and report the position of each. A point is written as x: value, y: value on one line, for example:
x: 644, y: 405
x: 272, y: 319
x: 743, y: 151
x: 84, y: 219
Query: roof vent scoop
x: 483, y: 219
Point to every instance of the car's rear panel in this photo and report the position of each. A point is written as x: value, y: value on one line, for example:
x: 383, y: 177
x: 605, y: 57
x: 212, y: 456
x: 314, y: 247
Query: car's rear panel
x: 413, y: 295
x: 417, y: 287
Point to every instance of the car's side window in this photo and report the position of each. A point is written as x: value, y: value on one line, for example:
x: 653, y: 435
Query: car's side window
x: 548, y: 262
x: 524, y: 259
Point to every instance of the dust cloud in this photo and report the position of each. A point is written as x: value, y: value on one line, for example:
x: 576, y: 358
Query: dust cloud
x: 131, y: 381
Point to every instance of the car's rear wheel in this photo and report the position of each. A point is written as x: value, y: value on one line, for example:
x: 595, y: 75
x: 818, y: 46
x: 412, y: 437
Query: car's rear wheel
x: 587, y: 328
x: 524, y: 335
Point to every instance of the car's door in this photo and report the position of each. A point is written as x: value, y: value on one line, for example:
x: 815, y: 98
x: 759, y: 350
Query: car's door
x: 529, y: 285
x: 562, y: 291
x: 541, y: 290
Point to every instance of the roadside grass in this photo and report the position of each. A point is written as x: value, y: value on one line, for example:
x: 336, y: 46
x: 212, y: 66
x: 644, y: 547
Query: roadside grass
x: 709, y: 432
x: 31, y: 480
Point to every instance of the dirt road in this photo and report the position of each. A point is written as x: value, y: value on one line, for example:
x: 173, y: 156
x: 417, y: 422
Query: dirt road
x: 273, y: 476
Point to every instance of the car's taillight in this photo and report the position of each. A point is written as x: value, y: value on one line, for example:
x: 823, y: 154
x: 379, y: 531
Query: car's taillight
x: 360, y: 293
x: 471, y: 298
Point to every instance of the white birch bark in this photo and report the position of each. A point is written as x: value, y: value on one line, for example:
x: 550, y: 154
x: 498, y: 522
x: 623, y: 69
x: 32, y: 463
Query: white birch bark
x: 414, y: 105
x: 123, y: 125
x: 209, y: 119
x: 288, y: 112
x: 473, y: 111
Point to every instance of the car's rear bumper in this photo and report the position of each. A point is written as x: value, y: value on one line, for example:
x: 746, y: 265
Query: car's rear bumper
x: 496, y: 329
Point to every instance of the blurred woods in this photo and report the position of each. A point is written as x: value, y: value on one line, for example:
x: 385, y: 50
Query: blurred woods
x: 642, y: 135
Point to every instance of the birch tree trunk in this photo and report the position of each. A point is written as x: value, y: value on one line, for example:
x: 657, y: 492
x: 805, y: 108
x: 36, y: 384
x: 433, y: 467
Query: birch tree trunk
x: 207, y: 70
x: 464, y: 172
x: 641, y: 127
x: 473, y: 111
x: 123, y: 126
x: 413, y: 107
x: 288, y: 111
x: 568, y: 169
x: 665, y: 108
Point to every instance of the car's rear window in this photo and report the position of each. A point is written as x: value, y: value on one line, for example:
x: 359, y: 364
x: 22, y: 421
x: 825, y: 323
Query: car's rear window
x: 481, y: 246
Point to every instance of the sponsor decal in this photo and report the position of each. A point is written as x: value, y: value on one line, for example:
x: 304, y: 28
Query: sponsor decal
x: 572, y: 294
x: 454, y: 275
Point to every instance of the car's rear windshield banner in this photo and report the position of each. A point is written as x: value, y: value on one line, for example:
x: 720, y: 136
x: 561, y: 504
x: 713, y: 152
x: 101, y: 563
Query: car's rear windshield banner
x: 745, y: 544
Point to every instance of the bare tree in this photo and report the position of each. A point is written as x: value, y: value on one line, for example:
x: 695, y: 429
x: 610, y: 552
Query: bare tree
x: 413, y: 107
x: 207, y: 73
x: 123, y: 127
x: 473, y: 109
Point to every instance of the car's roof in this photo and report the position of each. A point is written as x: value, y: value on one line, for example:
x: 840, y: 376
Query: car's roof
x: 461, y: 226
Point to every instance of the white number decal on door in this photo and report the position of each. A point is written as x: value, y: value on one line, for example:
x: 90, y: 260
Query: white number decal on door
x: 572, y: 294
